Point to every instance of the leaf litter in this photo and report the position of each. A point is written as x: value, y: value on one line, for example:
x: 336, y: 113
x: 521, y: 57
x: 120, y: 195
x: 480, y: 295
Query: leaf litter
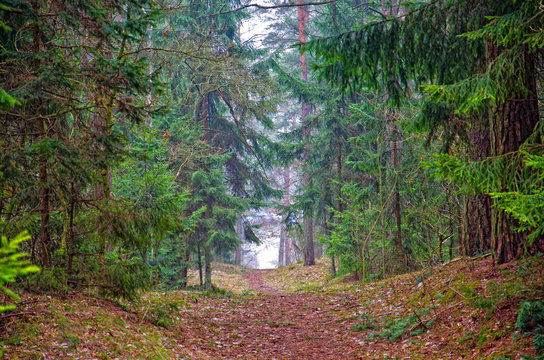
x: 465, y: 309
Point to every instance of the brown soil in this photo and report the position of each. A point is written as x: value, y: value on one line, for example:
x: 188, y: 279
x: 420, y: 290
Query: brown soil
x: 256, y: 282
x: 274, y: 326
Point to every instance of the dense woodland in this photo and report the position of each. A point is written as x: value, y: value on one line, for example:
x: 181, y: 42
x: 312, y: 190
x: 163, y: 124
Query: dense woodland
x: 136, y: 134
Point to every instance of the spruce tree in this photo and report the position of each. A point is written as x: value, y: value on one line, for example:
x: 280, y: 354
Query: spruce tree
x: 468, y: 72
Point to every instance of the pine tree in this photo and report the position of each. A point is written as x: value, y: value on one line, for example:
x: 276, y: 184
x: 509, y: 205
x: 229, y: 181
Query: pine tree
x: 76, y: 73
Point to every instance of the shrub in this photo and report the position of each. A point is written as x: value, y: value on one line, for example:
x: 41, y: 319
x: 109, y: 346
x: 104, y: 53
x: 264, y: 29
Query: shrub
x: 531, y: 317
x: 531, y: 320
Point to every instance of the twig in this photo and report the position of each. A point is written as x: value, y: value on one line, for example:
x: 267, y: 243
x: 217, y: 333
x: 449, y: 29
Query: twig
x: 11, y: 314
x: 19, y: 304
x: 420, y: 322
x: 457, y: 292
x: 453, y: 260
x: 379, y: 12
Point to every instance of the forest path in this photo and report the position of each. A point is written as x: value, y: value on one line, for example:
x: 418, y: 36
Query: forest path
x: 284, y: 314
x: 256, y: 282
x: 273, y: 325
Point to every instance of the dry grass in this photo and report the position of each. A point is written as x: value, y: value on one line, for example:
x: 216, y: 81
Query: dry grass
x: 224, y: 276
x: 299, y: 278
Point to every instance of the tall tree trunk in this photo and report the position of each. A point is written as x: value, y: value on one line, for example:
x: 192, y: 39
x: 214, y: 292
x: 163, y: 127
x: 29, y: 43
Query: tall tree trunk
x: 45, y: 237
x: 308, y: 226
x: 398, y: 215
x: 283, y: 227
x: 71, y: 230
x: 186, y: 257
x: 208, y: 264
x: 281, y: 252
x: 199, y: 264
x: 511, y: 123
x: 240, y: 233
x: 478, y: 208
x: 449, y: 195
x: 283, y: 256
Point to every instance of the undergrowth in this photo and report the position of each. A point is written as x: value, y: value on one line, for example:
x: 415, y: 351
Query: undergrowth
x: 397, y: 328
x: 531, y: 320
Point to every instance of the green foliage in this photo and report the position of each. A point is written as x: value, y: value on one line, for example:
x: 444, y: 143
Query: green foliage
x: 362, y: 233
x: 50, y: 280
x: 12, y: 265
x: 521, y: 196
x: 467, y: 59
x: 531, y: 320
x: 164, y: 313
x: 539, y: 342
x: 531, y: 316
x: 397, y: 328
x: 123, y: 276
x: 7, y: 101
x: 366, y: 323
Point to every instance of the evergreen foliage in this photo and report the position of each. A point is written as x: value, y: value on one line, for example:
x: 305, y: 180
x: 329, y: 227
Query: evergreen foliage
x: 531, y: 320
x: 472, y: 62
x: 12, y: 265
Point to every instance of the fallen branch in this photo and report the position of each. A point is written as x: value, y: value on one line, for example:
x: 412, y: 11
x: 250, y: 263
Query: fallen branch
x: 420, y: 323
x: 481, y: 256
x: 457, y: 292
x: 453, y: 260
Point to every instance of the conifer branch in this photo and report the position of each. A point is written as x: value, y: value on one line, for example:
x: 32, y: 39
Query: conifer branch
x: 239, y: 126
x: 188, y: 54
x: 268, y: 7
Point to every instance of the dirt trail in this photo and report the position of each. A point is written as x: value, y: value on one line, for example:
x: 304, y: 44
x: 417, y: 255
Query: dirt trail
x: 255, y: 278
x: 274, y: 326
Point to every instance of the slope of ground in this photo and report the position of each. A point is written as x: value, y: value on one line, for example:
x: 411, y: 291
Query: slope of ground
x: 462, y: 310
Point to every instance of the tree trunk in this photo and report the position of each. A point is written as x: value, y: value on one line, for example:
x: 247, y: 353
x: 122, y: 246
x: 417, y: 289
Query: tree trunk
x: 186, y: 257
x: 71, y: 230
x: 478, y: 208
x: 281, y: 253
x: 450, y: 211
x: 398, y: 216
x: 240, y: 233
x: 199, y: 264
x: 511, y: 123
x: 208, y: 263
x: 45, y: 237
x: 283, y: 256
x: 308, y: 227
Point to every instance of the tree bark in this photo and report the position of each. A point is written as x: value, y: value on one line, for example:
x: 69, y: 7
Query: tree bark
x: 398, y: 215
x: 186, y: 257
x: 511, y: 123
x: 308, y: 226
x: 199, y: 265
x: 240, y: 233
x: 71, y: 230
x: 282, y: 255
x: 478, y: 208
x: 45, y: 237
x: 208, y: 264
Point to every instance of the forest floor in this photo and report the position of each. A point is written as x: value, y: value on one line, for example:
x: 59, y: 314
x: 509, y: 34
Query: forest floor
x: 462, y: 310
